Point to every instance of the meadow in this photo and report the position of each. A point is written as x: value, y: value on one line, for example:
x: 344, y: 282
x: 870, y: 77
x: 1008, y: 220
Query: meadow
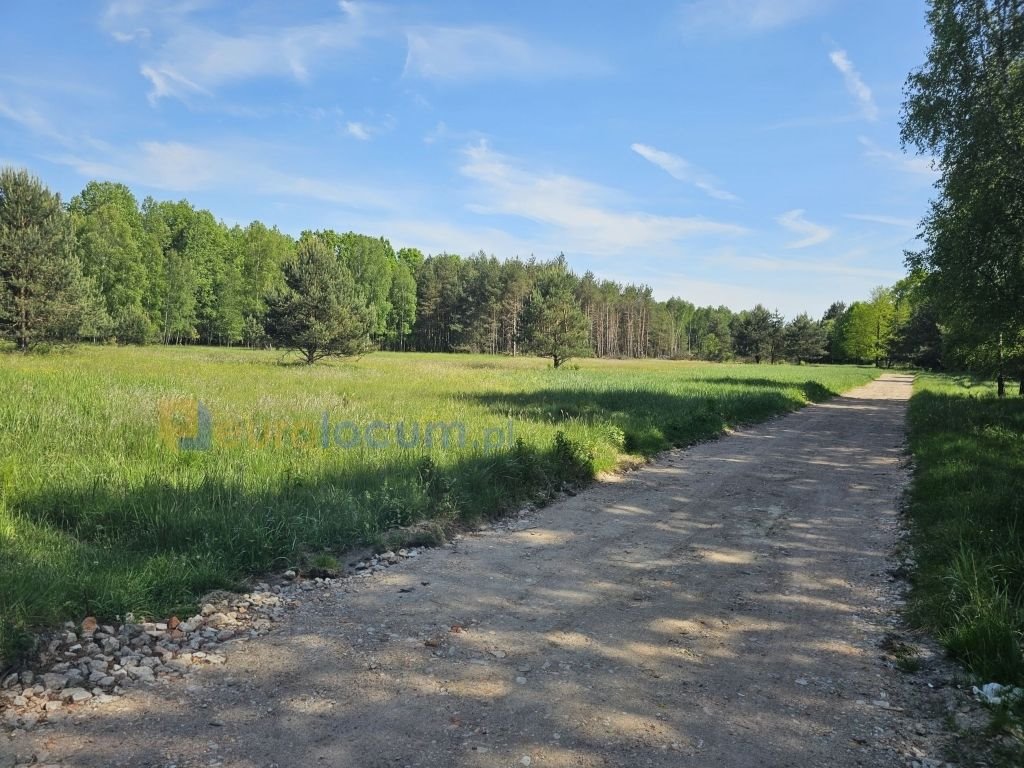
x: 967, y: 514
x: 103, y: 513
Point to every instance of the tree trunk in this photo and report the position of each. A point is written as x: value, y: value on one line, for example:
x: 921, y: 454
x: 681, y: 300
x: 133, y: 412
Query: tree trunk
x: 1001, y: 379
x: 23, y: 330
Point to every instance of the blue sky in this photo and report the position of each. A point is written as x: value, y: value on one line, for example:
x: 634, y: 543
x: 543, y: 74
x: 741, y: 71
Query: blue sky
x: 725, y: 151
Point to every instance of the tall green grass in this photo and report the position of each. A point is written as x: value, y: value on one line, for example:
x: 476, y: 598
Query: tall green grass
x: 99, y: 516
x: 967, y: 512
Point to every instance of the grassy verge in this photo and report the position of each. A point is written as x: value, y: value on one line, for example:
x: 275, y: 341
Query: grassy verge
x: 967, y: 512
x: 100, y: 515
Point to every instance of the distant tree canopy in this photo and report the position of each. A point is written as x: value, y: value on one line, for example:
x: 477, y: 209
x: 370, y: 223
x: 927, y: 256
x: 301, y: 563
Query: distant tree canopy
x: 106, y: 268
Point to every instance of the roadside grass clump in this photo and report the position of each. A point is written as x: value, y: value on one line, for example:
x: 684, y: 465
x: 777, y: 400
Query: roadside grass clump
x: 967, y: 517
x: 101, y: 515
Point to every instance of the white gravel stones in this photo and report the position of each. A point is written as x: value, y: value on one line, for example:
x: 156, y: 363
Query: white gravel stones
x: 75, y: 695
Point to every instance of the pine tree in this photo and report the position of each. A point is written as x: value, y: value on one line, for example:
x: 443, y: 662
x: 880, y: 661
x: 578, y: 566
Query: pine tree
x: 40, y: 279
x: 320, y: 313
x: 557, y: 327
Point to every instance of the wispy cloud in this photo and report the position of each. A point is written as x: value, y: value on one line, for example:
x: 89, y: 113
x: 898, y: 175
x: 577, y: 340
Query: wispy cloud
x: 891, y: 221
x: 855, y: 84
x: 182, y: 167
x: 40, y: 126
x: 357, y: 131
x: 167, y: 82
x: 32, y: 121
x: 364, y: 131
x: 441, y: 132
x: 682, y: 170
x: 455, y: 54
x: 193, y: 60
x: 582, y: 215
x: 163, y: 165
x: 916, y: 165
x: 813, y: 122
x: 811, y: 233
x: 744, y: 17
x: 763, y: 263
x: 132, y: 20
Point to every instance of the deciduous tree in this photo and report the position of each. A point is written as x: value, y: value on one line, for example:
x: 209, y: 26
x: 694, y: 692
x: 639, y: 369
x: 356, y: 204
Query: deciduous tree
x: 965, y: 107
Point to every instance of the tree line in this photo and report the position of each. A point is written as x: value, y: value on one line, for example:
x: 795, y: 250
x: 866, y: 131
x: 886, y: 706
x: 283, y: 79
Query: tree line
x: 104, y: 268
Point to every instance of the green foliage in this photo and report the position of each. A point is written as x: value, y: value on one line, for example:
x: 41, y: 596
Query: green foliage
x: 320, y: 312
x: 114, y: 248
x: 41, y: 287
x: 917, y: 338
x: 759, y: 334
x: 371, y: 262
x: 864, y: 332
x: 966, y: 509
x: 402, y: 301
x: 168, y: 272
x: 804, y: 339
x: 98, y: 515
x: 558, y: 329
x: 965, y: 106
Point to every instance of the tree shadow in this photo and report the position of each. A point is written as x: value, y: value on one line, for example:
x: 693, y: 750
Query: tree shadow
x: 154, y: 548
x: 655, y: 420
x: 814, y: 391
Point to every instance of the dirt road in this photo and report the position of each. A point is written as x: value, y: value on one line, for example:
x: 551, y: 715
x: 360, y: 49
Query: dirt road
x: 722, y: 606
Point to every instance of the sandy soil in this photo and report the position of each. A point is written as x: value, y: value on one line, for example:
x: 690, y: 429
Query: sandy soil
x: 722, y: 606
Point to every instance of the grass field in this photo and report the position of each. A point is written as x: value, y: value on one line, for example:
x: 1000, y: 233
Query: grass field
x: 967, y: 511
x: 102, y: 513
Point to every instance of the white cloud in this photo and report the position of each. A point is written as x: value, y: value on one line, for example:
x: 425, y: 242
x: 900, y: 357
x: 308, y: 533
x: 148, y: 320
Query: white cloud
x: 180, y: 167
x: 441, y: 132
x: 742, y: 17
x: 131, y: 20
x: 357, y: 131
x: 680, y: 169
x: 436, y: 235
x: 32, y: 121
x: 876, y: 218
x: 764, y: 263
x: 161, y: 165
x: 167, y: 82
x: 811, y: 233
x: 365, y: 131
x: 478, y: 53
x: 855, y: 84
x: 912, y: 164
x: 193, y: 60
x: 581, y: 215
x: 812, y: 122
